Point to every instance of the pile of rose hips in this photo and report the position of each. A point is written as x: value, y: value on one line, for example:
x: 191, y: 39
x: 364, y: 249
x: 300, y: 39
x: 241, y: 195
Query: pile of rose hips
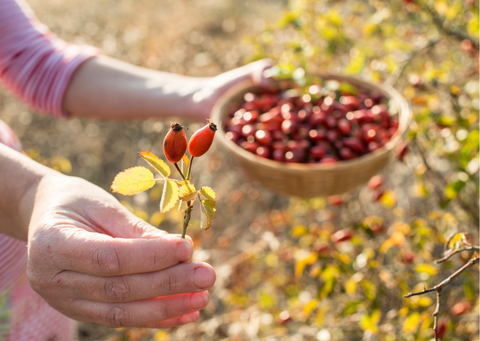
x: 306, y: 128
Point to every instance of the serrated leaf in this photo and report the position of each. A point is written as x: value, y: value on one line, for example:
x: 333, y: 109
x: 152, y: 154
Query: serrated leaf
x: 186, y: 191
x: 169, y: 196
x: 208, y: 193
x: 132, y: 181
x: 205, y: 221
x: 210, y: 208
x: 156, y: 163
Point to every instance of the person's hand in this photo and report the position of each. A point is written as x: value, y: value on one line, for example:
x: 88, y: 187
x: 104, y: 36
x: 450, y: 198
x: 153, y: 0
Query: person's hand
x: 93, y: 260
x: 211, y: 89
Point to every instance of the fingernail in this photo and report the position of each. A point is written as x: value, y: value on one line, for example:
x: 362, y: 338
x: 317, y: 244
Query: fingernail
x: 199, y: 300
x: 190, y: 317
x: 204, y: 277
x: 185, y: 250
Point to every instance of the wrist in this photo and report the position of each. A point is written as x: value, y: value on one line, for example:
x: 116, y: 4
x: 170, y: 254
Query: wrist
x: 19, y: 179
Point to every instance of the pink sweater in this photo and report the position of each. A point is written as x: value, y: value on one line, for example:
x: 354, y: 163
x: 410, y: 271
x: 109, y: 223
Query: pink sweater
x: 34, y: 64
x: 37, y: 67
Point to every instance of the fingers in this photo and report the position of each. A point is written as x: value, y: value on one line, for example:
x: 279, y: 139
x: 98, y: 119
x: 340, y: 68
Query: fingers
x: 139, y: 313
x: 176, y: 321
x: 179, y: 279
x: 101, y: 255
x: 257, y: 74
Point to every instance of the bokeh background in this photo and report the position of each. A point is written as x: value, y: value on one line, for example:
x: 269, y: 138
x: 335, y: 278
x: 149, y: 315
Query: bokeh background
x: 280, y: 275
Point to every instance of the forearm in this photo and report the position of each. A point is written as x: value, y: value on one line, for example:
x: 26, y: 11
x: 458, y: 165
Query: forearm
x: 19, y: 178
x: 106, y: 88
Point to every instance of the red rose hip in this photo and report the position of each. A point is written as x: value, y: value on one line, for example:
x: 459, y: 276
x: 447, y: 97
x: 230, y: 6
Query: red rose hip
x: 175, y: 143
x: 201, y: 140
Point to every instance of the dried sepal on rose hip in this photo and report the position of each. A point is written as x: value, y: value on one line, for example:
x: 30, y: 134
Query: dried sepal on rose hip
x: 175, y: 143
x: 201, y: 140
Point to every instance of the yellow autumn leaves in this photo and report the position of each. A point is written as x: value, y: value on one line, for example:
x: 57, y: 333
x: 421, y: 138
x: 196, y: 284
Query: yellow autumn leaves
x: 138, y: 179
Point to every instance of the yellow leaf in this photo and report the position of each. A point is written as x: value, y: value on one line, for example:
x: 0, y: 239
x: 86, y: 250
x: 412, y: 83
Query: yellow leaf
x: 156, y: 163
x: 367, y: 323
x: 455, y: 241
x: 186, y: 191
x: 185, y: 159
x: 132, y: 181
x: 411, y: 323
x: 388, y: 199
x: 205, y: 221
x: 350, y: 287
x: 299, y: 230
x: 310, y: 306
x: 426, y: 268
x: 386, y: 245
x: 208, y: 193
x: 210, y: 208
x: 169, y: 196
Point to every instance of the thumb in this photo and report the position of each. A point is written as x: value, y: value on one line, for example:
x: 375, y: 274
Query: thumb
x: 121, y: 223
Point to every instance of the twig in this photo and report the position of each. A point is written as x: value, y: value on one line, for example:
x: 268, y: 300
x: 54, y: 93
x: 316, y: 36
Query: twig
x: 454, y: 252
x: 446, y: 29
x: 438, y: 288
x: 178, y: 169
x: 189, y: 172
x: 395, y: 76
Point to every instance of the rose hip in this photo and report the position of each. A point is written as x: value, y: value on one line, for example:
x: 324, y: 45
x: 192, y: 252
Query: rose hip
x: 263, y: 137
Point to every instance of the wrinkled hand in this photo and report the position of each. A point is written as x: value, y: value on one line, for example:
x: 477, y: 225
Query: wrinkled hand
x: 212, y: 88
x: 93, y: 260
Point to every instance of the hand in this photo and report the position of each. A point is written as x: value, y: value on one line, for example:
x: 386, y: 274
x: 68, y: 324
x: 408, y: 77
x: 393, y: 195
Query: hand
x: 211, y: 89
x: 93, y: 260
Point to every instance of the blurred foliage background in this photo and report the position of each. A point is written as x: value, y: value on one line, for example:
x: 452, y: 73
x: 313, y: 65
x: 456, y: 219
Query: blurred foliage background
x: 282, y: 275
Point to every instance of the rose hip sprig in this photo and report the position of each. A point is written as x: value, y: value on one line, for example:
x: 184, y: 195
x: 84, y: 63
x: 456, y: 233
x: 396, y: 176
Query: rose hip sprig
x: 138, y: 179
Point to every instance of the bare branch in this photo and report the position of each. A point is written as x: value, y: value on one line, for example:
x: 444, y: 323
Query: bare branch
x: 454, y: 252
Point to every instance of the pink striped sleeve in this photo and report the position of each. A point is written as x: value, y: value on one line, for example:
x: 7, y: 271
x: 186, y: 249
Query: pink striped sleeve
x: 34, y: 64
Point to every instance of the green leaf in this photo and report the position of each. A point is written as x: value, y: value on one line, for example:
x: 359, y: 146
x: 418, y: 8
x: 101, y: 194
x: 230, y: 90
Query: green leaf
x: 186, y: 191
x: 208, y: 193
x: 169, y: 196
x: 351, y: 307
x: 210, y: 208
x: 156, y: 163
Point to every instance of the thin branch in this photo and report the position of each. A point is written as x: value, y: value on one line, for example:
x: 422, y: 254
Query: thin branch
x: 454, y: 252
x: 178, y: 169
x: 397, y: 73
x: 446, y: 29
x: 445, y: 282
x: 438, y: 288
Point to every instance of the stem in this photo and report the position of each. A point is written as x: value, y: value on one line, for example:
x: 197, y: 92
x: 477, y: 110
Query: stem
x: 438, y: 288
x: 186, y: 218
x: 189, y: 172
x: 454, y: 252
x: 178, y: 169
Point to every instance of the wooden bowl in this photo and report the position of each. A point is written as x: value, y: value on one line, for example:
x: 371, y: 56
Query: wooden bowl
x: 313, y: 180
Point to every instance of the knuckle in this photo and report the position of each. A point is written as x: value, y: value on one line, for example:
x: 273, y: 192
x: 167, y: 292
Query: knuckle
x: 169, y: 282
x: 116, y: 317
x: 108, y: 260
x: 116, y: 289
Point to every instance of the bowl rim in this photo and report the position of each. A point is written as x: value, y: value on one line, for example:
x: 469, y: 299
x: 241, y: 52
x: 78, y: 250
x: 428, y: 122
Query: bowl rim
x: 404, y: 114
